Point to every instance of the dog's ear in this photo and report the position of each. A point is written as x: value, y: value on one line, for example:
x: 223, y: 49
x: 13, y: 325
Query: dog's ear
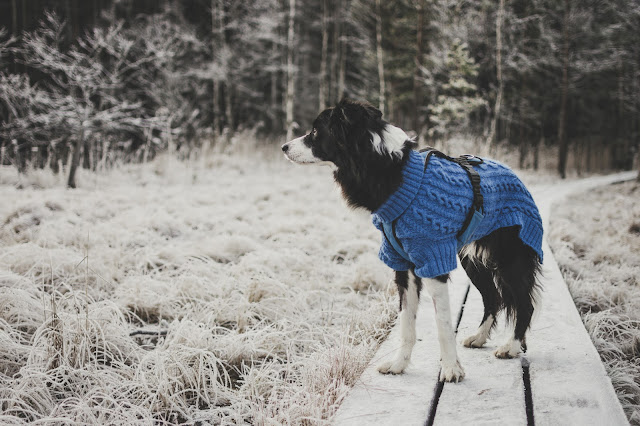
x: 351, y: 112
x: 373, y: 112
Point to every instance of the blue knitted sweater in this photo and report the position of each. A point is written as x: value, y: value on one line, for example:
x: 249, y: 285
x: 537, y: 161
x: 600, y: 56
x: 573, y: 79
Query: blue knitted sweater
x: 431, y: 205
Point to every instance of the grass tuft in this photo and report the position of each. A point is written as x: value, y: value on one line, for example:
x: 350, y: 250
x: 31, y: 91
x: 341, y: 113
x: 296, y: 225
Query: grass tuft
x: 593, y: 243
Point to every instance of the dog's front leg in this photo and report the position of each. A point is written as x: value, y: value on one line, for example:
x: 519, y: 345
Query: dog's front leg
x: 451, y: 370
x: 409, y: 293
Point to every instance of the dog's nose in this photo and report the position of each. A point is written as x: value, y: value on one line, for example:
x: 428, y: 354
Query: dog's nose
x: 285, y: 147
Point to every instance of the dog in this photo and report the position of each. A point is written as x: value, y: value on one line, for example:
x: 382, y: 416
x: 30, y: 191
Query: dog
x: 427, y: 200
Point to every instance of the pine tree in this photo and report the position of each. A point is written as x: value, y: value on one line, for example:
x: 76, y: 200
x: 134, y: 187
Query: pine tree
x: 457, y: 97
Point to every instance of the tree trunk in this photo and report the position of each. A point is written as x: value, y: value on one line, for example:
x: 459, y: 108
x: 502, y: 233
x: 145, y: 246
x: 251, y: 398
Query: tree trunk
x: 536, y: 152
x: 380, y: 57
x: 322, y: 90
x: 342, y: 67
x: 228, y: 101
x: 335, y: 52
x: 215, y: 28
x: 75, y: 161
x: 228, y: 89
x: 290, y: 69
x: 54, y: 164
x: 14, y: 18
x: 498, y: 105
x: 86, y: 155
x: 638, y: 161
x: 524, y: 145
x: 417, y: 93
x: 589, y: 155
x: 274, y: 80
x: 562, y: 137
x: 577, y: 153
x: 14, y: 28
x: 635, y: 122
x: 622, y: 122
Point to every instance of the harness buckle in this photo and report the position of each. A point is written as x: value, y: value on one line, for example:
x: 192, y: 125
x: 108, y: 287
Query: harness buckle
x: 472, y: 159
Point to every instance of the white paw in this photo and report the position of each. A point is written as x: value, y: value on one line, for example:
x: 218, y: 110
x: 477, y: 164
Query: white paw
x: 393, y: 367
x: 451, y: 372
x: 511, y: 349
x: 475, y: 341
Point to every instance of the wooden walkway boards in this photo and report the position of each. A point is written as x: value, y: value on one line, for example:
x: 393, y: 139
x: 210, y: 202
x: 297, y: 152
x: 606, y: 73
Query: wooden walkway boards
x: 559, y: 381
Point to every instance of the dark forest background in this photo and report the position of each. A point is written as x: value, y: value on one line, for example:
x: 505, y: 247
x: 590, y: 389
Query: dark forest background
x: 83, y: 83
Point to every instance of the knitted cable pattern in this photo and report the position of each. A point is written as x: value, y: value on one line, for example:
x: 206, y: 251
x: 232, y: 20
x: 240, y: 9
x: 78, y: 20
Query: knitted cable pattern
x: 431, y: 205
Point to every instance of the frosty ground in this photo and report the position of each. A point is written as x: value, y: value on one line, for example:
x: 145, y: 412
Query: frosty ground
x: 595, y: 237
x: 227, y: 290
x: 267, y: 286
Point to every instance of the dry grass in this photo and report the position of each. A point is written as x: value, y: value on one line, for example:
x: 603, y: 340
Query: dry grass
x: 596, y: 242
x: 264, y: 292
x: 259, y: 294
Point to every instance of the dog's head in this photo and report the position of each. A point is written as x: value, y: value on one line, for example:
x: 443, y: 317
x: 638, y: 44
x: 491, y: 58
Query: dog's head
x: 350, y: 133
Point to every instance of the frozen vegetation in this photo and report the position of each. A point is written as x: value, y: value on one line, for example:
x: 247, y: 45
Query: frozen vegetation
x: 260, y: 295
x: 596, y: 240
x: 232, y: 290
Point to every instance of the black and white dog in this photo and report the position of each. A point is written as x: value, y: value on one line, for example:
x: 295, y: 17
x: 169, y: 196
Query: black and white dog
x: 369, y: 155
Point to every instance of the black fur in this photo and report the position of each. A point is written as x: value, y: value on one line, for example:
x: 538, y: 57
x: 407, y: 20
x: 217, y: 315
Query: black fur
x: 367, y: 177
x: 402, y: 282
x: 342, y: 136
x: 506, y: 277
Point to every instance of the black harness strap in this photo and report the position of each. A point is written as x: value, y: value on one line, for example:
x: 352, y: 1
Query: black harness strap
x: 476, y: 212
x: 467, y: 162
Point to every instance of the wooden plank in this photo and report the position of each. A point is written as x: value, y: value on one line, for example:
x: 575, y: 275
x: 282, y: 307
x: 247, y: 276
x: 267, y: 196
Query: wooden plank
x: 492, y: 388
x: 569, y: 383
x: 379, y: 399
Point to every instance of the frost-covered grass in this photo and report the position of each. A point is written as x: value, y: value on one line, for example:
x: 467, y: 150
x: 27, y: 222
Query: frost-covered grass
x: 232, y: 289
x: 596, y: 240
x: 261, y: 291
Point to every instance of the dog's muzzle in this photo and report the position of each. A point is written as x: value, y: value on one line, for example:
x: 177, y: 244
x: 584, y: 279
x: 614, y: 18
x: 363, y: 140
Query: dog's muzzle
x: 298, y: 152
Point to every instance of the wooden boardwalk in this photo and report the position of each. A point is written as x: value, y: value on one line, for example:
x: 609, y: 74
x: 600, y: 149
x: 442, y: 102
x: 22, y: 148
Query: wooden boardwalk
x: 559, y: 381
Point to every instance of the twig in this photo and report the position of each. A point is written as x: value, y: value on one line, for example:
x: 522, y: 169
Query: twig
x: 148, y: 333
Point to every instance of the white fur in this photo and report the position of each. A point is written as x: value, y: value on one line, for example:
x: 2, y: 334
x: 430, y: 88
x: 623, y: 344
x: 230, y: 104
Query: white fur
x: 476, y: 254
x: 451, y: 370
x: 510, y: 349
x: 391, y: 142
x: 300, y: 153
x: 480, y: 338
x: 407, y: 320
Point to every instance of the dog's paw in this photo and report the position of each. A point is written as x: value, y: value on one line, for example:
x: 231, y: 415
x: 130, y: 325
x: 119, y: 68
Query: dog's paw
x: 475, y: 341
x: 451, y: 372
x: 511, y: 349
x: 393, y: 367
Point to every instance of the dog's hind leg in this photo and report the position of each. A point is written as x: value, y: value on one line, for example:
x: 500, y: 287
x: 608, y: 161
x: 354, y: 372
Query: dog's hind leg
x: 451, y: 370
x: 518, y: 266
x: 409, y: 293
x: 481, y: 276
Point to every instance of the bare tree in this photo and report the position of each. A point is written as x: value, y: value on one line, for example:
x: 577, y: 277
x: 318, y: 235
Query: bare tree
x: 380, y: 56
x: 417, y: 83
x: 562, y: 137
x: 216, y: 26
x: 82, y: 94
x: 498, y: 104
x: 291, y: 72
x: 322, y: 89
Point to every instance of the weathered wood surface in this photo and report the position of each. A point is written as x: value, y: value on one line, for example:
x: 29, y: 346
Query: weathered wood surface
x: 568, y: 382
x: 377, y: 398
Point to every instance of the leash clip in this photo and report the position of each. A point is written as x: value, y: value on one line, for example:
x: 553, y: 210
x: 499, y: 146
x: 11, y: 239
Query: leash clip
x: 472, y: 159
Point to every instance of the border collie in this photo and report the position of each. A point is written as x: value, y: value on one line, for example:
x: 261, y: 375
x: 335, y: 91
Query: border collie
x: 374, y: 162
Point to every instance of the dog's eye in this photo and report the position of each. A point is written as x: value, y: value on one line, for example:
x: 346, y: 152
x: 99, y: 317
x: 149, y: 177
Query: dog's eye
x: 314, y: 133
